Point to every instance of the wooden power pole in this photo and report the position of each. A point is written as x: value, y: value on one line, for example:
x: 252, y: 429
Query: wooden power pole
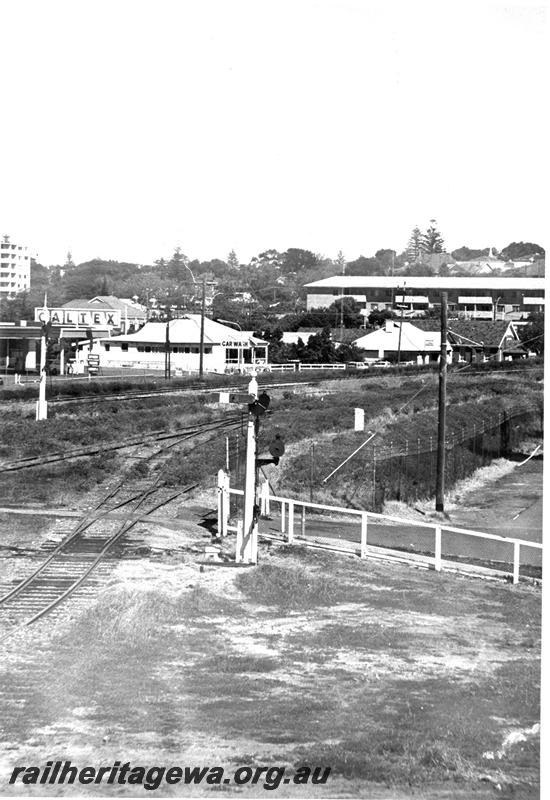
x: 440, y: 481
x: 203, y: 312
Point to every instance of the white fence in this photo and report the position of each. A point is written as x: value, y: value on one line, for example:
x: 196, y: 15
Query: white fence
x: 288, y: 528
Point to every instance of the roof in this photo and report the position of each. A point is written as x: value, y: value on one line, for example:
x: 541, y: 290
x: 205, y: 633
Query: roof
x: 132, y: 310
x: 431, y: 282
x: 486, y: 334
x: 187, y: 331
x: 347, y: 335
x: 412, y: 338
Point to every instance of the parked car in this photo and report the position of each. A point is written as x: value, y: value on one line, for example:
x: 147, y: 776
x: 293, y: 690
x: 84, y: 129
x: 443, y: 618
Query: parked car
x: 382, y: 364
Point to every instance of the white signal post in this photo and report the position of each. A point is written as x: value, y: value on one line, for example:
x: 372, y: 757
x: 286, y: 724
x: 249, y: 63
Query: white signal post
x: 247, y: 548
x: 42, y: 405
x: 247, y: 533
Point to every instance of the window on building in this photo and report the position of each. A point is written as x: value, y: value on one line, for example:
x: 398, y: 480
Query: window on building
x: 107, y: 347
x: 516, y: 309
x: 186, y: 349
x: 141, y: 349
x: 207, y: 350
x: 124, y: 346
x: 194, y: 349
x: 147, y: 348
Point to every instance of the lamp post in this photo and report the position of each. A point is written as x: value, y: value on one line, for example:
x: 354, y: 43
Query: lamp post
x: 239, y: 349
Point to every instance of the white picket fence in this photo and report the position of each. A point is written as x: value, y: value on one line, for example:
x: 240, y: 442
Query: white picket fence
x: 288, y: 516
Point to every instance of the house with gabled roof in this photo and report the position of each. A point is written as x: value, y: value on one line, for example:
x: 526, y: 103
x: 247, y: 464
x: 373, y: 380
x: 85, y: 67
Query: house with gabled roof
x: 224, y: 349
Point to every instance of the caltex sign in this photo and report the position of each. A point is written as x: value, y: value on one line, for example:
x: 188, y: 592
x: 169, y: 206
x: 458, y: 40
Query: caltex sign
x: 79, y: 317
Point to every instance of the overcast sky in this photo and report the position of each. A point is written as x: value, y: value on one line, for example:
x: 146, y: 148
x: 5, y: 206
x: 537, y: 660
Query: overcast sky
x: 133, y: 126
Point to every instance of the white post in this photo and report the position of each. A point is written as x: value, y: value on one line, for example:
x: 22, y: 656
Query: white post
x: 290, y: 537
x: 250, y: 524
x: 303, y: 526
x: 515, y: 578
x: 364, y: 519
x: 223, y: 502
x: 437, y: 559
x: 264, y: 498
x: 41, y: 405
x: 240, y: 543
x: 359, y: 419
x: 283, y: 520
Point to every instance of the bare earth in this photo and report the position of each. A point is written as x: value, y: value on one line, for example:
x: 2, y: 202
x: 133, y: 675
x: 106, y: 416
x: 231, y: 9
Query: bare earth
x: 407, y: 683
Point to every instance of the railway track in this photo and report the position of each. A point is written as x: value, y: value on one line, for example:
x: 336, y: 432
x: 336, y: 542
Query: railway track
x: 156, y: 439
x: 83, y: 560
x: 77, y: 566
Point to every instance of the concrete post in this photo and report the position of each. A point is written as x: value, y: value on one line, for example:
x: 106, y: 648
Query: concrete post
x: 41, y: 405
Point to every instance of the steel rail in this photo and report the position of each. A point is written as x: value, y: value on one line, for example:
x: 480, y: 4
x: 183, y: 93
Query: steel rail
x: 82, y: 526
x: 34, y: 461
x: 126, y: 526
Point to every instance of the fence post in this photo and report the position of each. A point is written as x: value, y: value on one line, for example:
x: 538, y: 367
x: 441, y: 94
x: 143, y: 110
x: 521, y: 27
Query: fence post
x: 264, y: 498
x: 223, y: 502
x: 283, y: 516
x: 240, y: 538
x: 437, y: 559
x: 364, y: 519
x: 303, y: 526
x: 515, y: 578
x: 290, y: 536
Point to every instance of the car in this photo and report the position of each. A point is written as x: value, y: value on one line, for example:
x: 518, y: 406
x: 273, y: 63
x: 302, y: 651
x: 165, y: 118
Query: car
x: 382, y: 364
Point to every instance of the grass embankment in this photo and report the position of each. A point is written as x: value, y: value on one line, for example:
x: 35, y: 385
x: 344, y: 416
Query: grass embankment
x: 69, y: 428
x: 392, y: 677
x: 374, y: 476
x: 323, y: 413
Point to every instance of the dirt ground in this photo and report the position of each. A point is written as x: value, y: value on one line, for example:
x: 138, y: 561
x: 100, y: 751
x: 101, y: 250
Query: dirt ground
x: 405, y: 683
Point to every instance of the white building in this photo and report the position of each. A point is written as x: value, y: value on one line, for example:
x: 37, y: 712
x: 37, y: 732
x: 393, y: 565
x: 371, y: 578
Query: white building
x: 225, y: 349
x: 15, y: 268
x: 404, y: 338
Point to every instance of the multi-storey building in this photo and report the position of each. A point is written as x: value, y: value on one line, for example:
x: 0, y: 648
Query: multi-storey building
x: 491, y: 298
x: 15, y: 268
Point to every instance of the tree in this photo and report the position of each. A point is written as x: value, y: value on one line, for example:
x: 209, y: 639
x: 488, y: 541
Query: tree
x: 386, y: 257
x: 432, y: 241
x: 466, y: 254
x: 532, y: 334
x: 297, y: 260
x: 341, y: 263
x: 349, y: 310
x: 363, y: 266
x: 233, y: 261
x: 415, y: 245
x: 378, y: 318
x: 177, y: 266
x: 518, y: 250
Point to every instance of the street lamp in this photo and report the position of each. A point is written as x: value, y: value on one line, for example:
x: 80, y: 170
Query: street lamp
x: 239, y: 349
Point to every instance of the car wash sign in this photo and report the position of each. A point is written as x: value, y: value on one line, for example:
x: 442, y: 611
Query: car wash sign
x: 79, y: 317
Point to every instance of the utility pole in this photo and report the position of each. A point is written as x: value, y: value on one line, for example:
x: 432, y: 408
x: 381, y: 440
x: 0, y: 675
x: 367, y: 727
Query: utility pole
x: 440, y: 481
x: 342, y: 317
x: 401, y: 326
x: 167, y: 369
x: 203, y: 311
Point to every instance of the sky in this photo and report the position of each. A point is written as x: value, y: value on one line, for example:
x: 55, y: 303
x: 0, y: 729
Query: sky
x: 130, y: 127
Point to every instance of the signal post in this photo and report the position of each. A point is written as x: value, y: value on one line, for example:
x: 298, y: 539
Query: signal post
x: 247, y: 535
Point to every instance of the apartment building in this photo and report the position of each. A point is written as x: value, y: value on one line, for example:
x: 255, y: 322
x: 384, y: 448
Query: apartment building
x: 479, y: 297
x: 15, y: 267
